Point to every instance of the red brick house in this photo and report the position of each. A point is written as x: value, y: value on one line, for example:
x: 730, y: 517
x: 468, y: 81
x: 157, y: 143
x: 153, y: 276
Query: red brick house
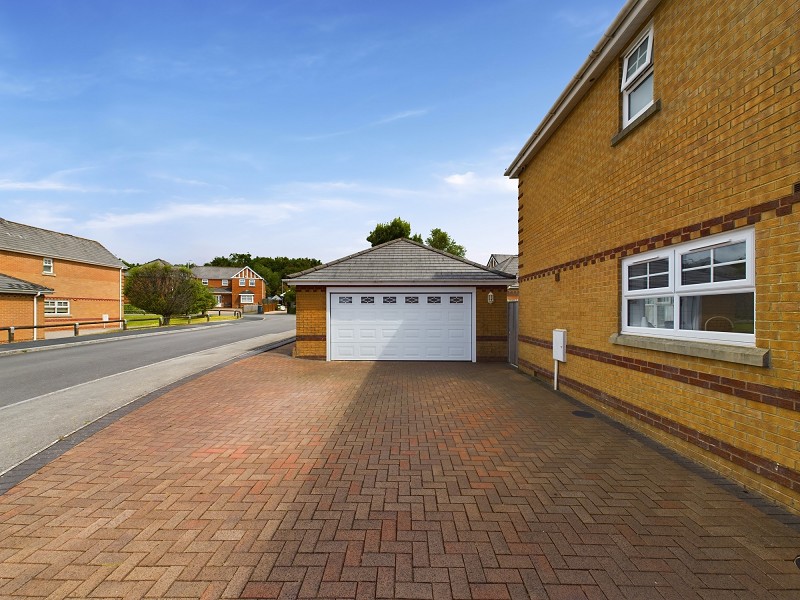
x: 233, y: 287
x: 77, y: 279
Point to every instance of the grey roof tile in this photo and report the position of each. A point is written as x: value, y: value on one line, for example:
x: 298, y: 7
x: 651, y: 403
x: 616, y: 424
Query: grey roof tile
x: 219, y: 272
x: 26, y: 239
x: 404, y: 261
x: 12, y: 285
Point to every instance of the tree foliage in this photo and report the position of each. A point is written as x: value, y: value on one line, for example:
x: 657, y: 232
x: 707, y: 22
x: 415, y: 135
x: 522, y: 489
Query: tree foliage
x: 273, y: 270
x: 398, y: 228
x: 167, y: 291
x: 442, y: 241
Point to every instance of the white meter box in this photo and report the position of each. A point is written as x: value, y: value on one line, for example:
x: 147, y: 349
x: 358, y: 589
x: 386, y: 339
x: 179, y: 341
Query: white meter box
x: 560, y: 345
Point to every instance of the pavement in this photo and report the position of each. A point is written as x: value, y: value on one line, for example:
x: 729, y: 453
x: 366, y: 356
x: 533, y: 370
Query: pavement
x: 274, y: 477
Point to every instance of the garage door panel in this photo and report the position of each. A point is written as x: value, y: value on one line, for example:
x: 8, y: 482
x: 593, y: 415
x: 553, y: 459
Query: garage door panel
x: 403, y: 326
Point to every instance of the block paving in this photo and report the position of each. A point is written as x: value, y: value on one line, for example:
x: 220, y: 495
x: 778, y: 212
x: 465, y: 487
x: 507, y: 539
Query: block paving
x: 276, y: 477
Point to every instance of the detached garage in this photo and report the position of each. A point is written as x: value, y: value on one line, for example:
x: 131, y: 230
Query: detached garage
x: 401, y: 301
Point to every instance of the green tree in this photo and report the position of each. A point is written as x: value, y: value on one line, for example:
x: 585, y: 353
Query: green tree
x: 441, y: 240
x: 394, y: 229
x: 164, y: 290
x: 203, y: 299
x: 398, y: 228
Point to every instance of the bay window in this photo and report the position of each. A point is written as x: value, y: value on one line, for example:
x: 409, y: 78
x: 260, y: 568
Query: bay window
x: 702, y: 290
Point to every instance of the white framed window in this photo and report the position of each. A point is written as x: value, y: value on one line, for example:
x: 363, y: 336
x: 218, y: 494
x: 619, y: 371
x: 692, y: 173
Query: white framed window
x: 246, y: 298
x: 54, y: 308
x: 702, y: 290
x: 224, y: 282
x: 241, y: 283
x: 47, y: 266
x: 205, y: 281
x: 637, y: 78
x: 252, y: 283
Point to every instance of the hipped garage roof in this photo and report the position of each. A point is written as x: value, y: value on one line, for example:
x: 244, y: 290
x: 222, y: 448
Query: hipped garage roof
x: 400, y: 262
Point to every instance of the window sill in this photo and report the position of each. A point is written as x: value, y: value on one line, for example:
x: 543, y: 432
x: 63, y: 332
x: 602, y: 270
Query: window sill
x: 49, y: 274
x: 743, y: 355
x: 625, y: 131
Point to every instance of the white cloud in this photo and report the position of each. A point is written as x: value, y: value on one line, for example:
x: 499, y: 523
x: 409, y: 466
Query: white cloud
x: 471, y: 183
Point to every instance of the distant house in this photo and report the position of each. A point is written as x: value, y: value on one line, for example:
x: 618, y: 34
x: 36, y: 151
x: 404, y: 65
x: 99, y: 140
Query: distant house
x: 659, y: 215
x: 401, y: 301
x: 507, y: 263
x: 233, y: 287
x: 77, y: 279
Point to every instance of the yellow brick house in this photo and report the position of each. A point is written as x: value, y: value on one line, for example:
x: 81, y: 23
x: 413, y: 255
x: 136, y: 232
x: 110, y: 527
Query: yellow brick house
x: 659, y: 215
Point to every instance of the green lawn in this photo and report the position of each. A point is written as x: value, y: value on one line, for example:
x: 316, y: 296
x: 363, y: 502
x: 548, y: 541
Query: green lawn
x: 137, y: 321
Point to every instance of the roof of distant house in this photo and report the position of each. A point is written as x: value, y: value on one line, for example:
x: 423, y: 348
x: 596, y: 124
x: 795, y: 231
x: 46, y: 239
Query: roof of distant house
x: 26, y: 239
x: 509, y: 265
x: 12, y: 285
x: 400, y: 261
x: 220, y: 272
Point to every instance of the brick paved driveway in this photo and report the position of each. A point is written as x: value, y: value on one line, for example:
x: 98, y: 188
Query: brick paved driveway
x: 276, y: 477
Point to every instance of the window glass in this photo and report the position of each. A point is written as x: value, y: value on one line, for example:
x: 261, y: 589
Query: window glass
x: 434, y: 299
x: 367, y: 299
x: 651, y: 312
x: 637, y: 58
x: 47, y: 265
x: 252, y: 282
x: 224, y: 282
x: 649, y: 275
x: 345, y: 299
x: 412, y: 299
x: 456, y: 299
x: 389, y: 300
x: 241, y: 282
x: 640, y: 97
x: 732, y: 313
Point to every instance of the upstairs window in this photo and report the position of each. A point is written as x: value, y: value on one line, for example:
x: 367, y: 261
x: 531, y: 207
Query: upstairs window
x: 224, y: 283
x: 252, y: 283
x: 702, y: 290
x: 241, y: 283
x: 637, y: 78
x: 47, y: 266
x: 205, y: 281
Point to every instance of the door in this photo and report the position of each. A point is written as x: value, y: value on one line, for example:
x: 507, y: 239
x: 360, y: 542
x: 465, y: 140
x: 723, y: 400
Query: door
x: 434, y: 325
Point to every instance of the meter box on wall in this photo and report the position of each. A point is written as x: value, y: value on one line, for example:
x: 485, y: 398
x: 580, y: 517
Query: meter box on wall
x: 560, y: 345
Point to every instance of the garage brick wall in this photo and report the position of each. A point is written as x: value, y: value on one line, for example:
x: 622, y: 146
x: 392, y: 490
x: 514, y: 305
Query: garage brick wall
x: 17, y: 310
x: 491, y: 323
x: 311, y: 322
x: 721, y: 154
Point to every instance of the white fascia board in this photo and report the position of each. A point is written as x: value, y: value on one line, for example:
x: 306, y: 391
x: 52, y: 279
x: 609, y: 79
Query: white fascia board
x: 632, y: 16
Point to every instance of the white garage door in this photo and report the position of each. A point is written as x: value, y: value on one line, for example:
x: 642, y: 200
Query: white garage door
x: 401, y: 326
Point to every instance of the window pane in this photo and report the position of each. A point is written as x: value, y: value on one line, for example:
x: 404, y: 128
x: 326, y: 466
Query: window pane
x: 637, y: 270
x: 637, y: 284
x: 730, y: 253
x: 733, y: 313
x: 696, y: 259
x: 659, y: 281
x: 659, y: 266
x: 696, y: 276
x: 651, y: 312
x: 640, y: 97
x: 637, y: 58
x: 730, y: 272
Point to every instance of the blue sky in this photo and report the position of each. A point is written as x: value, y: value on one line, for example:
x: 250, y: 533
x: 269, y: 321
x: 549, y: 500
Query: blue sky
x: 188, y: 129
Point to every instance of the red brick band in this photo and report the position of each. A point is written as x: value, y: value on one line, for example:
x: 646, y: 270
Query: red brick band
x: 766, y: 394
x: 782, y: 206
x: 759, y: 465
x: 491, y: 338
x: 310, y: 338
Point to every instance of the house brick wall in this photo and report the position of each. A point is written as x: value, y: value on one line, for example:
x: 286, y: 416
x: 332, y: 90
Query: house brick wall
x: 311, y: 322
x: 16, y: 310
x: 722, y: 153
x: 491, y: 324
x: 92, y: 290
